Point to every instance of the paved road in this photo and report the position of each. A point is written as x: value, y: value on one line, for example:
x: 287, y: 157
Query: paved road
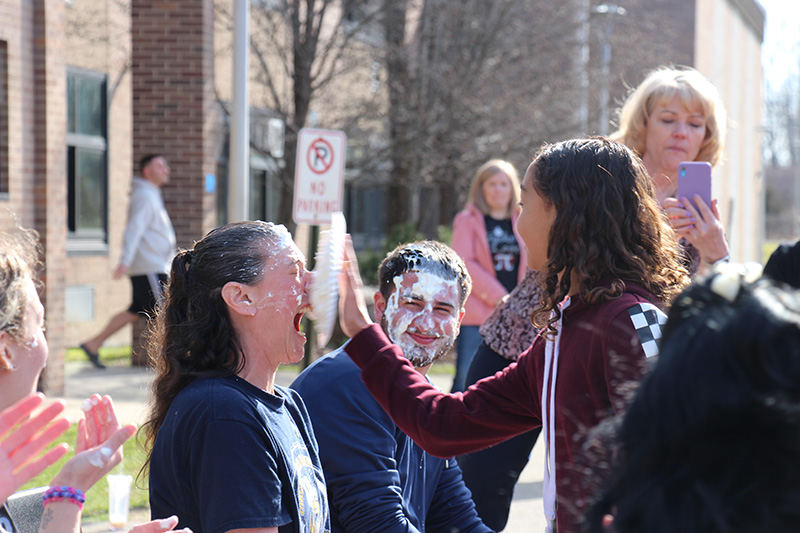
x: 130, y: 389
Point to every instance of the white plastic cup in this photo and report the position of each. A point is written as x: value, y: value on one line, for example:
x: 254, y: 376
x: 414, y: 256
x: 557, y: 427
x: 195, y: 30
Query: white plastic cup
x: 119, y: 497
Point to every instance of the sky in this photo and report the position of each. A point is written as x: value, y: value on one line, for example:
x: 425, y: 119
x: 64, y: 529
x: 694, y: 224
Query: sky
x: 781, y: 48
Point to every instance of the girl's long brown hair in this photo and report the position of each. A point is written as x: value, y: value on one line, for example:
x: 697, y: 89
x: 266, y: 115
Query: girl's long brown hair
x: 192, y: 335
x: 608, y: 224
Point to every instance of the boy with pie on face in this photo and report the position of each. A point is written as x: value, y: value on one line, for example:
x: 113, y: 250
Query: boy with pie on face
x: 378, y: 479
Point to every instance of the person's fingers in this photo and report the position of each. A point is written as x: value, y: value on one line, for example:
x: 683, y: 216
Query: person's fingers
x: 11, y: 416
x: 120, y: 436
x: 110, y: 453
x: 30, y: 448
x: 679, y: 223
x: 159, y: 526
x: 34, y: 468
x: 104, y: 431
x: 715, y: 208
x: 690, y: 208
x: 353, y: 314
x: 90, y: 408
x: 677, y: 212
x: 111, y: 423
x: 352, y: 263
x: 81, y: 439
x: 703, y: 209
x: 34, y: 425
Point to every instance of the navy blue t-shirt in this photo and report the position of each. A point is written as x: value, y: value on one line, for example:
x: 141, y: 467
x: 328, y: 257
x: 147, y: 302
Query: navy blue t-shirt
x: 504, y: 248
x: 379, y: 480
x: 230, y: 455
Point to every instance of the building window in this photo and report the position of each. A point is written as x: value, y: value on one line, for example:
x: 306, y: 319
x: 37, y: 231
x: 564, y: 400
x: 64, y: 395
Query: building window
x: 265, y: 190
x: 3, y: 117
x: 87, y: 158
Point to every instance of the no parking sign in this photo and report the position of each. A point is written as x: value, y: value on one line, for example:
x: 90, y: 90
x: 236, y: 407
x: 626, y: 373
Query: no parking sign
x: 319, y: 175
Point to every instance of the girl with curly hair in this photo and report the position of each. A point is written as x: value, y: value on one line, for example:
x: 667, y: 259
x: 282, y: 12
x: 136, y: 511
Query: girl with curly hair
x: 609, y: 262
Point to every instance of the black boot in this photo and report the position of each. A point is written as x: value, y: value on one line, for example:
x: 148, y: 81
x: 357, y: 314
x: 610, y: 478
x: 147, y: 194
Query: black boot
x: 94, y: 357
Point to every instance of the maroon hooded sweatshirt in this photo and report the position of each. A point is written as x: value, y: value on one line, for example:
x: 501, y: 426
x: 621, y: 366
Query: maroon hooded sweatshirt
x: 600, y: 356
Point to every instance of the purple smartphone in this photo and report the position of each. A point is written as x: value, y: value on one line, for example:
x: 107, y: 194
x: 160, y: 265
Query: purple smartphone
x: 694, y: 177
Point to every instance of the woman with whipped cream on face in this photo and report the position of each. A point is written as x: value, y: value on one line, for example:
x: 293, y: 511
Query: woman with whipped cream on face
x: 609, y: 262
x: 229, y: 448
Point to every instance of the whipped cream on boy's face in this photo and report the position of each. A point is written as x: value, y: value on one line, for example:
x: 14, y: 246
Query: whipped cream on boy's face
x: 422, y: 316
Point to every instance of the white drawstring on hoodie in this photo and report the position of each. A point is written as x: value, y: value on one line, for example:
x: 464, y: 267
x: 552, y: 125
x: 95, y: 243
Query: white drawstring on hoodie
x: 551, y: 351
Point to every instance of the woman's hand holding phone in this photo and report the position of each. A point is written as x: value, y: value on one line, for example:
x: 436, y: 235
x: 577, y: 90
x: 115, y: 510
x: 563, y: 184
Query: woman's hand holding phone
x: 699, y: 224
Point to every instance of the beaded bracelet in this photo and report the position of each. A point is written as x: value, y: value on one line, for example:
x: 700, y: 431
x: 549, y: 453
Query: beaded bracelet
x: 63, y: 493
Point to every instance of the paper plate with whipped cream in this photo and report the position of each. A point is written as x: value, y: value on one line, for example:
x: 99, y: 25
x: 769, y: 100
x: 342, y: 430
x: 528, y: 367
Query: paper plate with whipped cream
x: 324, y: 294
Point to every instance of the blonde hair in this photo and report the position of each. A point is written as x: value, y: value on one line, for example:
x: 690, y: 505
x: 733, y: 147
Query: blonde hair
x: 486, y: 171
x: 19, y: 261
x: 662, y: 85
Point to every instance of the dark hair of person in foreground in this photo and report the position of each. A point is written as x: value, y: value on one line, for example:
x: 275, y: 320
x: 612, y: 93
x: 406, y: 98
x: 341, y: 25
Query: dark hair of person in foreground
x: 711, y: 442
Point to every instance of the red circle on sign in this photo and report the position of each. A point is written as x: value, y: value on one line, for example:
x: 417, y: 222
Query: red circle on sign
x: 320, y: 156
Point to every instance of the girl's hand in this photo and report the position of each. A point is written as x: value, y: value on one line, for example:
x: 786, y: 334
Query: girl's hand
x: 99, y: 446
x: 699, y: 224
x: 353, y: 314
x: 167, y: 525
x: 20, y: 446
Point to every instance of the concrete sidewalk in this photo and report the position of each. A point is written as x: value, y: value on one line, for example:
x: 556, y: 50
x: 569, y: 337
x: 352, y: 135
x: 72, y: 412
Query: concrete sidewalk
x: 129, y: 387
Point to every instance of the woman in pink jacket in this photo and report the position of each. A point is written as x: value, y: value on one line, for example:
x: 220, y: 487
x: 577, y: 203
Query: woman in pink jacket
x: 485, y: 236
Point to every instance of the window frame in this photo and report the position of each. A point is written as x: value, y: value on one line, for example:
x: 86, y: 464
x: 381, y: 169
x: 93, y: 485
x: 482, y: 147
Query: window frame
x: 86, y: 240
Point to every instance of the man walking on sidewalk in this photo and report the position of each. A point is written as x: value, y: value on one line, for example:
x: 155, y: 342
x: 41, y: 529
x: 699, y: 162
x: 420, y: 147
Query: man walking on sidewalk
x: 148, y: 246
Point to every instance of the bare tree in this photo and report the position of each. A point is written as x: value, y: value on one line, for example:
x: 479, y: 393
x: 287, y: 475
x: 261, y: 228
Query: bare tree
x: 99, y: 26
x: 301, y: 50
x: 782, y: 119
x: 433, y: 88
x: 474, y: 80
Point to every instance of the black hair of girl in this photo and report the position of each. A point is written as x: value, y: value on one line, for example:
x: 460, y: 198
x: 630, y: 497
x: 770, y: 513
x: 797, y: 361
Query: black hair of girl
x: 193, y: 335
x: 608, y: 224
x: 711, y: 442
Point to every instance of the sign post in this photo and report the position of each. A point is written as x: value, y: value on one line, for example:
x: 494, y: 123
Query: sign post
x: 318, y: 191
x: 319, y: 175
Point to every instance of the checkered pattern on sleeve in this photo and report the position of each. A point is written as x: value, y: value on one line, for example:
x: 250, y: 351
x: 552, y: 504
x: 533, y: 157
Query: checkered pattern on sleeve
x: 648, y: 320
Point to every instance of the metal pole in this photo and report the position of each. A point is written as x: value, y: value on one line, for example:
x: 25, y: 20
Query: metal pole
x: 605, y: 67
x: 582, y: 64
x: 610, y: 10
x: 239, y: 161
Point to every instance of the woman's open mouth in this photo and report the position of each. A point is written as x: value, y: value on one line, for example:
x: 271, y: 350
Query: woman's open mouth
x: 298, y: 318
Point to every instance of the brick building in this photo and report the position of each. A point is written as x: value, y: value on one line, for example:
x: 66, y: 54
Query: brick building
x: 32, y: 139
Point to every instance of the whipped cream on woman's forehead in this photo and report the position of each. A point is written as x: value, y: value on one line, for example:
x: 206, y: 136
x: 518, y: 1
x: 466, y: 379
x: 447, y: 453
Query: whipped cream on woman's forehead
x: 284, y: 240
x: 427, y: 287
x: 282, y: 235
x: 284, y: 247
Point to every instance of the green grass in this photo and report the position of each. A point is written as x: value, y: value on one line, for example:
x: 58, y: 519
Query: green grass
x: 96, y: 507
x: 109, y: 354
